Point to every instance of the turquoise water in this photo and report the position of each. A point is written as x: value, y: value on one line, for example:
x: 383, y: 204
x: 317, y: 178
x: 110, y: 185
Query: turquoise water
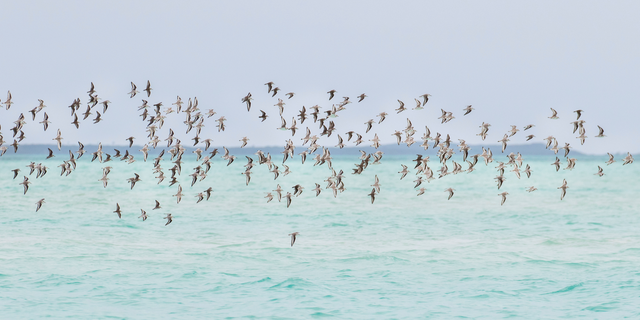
x: 402, y: 257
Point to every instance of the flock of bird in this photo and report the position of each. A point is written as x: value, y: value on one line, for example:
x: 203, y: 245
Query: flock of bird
x: 153, y: 115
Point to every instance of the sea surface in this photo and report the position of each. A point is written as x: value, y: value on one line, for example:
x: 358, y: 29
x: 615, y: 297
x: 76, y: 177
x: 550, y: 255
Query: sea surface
x: 402, y: 257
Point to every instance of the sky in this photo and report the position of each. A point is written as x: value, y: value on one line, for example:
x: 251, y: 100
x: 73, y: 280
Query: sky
x: 512, y: 61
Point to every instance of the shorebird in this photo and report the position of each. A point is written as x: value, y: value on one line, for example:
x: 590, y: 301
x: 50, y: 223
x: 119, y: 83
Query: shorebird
x: 148, y: 88
x: 421, y: 191
x: 450, y: 190
x: 169, y: 219
x: 425, y: 98
x: 293, y: 237
x: 600, y: 172
x: 557, y: 164
x: 628, y: 159
x: 25, y: 183
x: 564, y: 189
x: 513, y: 130
x: 247, y: 99
x: 467, y: 110
x: 610, y: 161
x: 401, y: 107
x: 143, y: 215
x: 376, y: 184
x: 104, y: 180
x: 133, y: 90
x: 404, y: 171
x: 528, y: 171
x: 532, y: 189
x: 361, y: 97
x: 372, y: 195
x: 370, y: 124
x: 278, y: 191
x: 244, y: 141
x: 504, y: 142
x: 134, y: 180
x: 504, y: 197
x: 39, y: 204
x: 288, y: 197
x: 269, y: 85
x: 269, y: 197
x: 45, y: 122
x: 317, y: 189
x: 118, y: 210
x: 157, y: 205
x: 554, y: 114
x: 331, y: 94
x: 58, y: 139
x: 600, y: 132
x: 179, y: 194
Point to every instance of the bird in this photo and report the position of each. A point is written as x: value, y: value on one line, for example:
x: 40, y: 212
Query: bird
x: 404, y: 171
x: 564, y: 189
x: 600, y: 132
x: 331, y: 94
x: 169, y: 219
x: 425, y: 98
x: 532, y: 189
x: 450, y: 190
x: 297, y: 190
x: 263, y: 115
x: 133, y: 90
x: 317, y: 189
x: 269, y: 85
x: 610, y: 161
x: 118, y: 211
x: 628, y: 159
x: 15, y: 172
x: 39, y: 204
x: 361, y: 97
x: 134, y: 180
x: 468, y: 110
x: 554, y: 114
x: 293, y: 235
x: 45, y: 122
x: 104, y: 180
x: 143, y: 215
x: 288, y: 197
x: 600, y: 172
x: 148, y: 88
x: 157, y: 205
x: 421, y: 191
x: 372, y: 195
x: 376, y: 184
x: 25, y: 183
x: 504, y: 197
x: 58, y: 139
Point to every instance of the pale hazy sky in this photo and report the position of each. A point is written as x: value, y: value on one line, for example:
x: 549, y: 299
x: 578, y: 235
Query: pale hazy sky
x: 511, y: 60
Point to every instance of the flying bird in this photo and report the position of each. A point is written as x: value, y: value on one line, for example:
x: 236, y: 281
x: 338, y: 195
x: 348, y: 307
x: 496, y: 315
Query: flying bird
x: 293, y: 237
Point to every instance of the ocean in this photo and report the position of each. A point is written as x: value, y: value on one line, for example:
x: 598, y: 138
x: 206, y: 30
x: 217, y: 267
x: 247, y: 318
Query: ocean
x: 402, y: 257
